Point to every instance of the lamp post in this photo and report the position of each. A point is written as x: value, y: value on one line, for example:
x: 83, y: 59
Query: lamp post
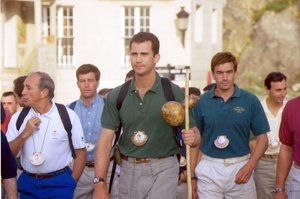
x: 182, y: 23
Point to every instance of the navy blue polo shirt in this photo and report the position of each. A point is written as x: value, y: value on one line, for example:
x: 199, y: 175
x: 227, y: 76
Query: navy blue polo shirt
x: 234, y: 118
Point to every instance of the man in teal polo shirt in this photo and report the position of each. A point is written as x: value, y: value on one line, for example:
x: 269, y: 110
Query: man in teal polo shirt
x: 149, y: 166
x: 225, y: 115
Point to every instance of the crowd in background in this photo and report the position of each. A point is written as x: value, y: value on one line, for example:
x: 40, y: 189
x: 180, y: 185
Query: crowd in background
x: 116, y: 143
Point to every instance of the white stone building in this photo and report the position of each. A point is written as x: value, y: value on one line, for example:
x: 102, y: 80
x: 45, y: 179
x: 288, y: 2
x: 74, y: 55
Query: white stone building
x: 57, y: 36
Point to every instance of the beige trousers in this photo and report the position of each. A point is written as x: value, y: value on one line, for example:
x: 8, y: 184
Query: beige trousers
x: 265, y: 177
x: 85, y: 185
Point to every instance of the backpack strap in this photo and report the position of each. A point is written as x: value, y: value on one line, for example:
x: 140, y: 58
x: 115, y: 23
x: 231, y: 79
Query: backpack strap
x: 21, y: 117
x: 72, y: 105
x: 122, y: 94
x: 62, y: 110
x: 167, y: 87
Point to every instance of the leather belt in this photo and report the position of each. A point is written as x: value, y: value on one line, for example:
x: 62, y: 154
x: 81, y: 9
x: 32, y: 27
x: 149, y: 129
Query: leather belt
x: 297, y: 166
x: 141, y: 160
x: 270, y: 156
x: 226, y: 161
x: 90, y: 164
x: 47, y: 175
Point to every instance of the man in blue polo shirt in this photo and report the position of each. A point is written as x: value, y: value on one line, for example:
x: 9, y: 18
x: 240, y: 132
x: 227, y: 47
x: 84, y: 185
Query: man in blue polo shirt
x: 225, y: 115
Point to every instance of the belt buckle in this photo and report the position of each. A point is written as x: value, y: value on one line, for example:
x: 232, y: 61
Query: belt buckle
x: 141, y: 160
x: 228, y: 162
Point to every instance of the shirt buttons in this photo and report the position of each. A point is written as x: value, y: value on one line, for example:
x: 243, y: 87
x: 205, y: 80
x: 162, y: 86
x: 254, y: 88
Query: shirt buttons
x: 141, y: 103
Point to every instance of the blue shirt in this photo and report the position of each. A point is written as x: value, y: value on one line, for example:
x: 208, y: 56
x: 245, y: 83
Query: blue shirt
x: 234, y: 118
x: 90, y: 118
x: 8, y: 161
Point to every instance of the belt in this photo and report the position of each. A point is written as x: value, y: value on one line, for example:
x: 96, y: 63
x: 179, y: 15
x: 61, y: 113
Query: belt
x: 90, y: 164
x: 270, y: 156
x: 297, y: 166
x: 226, y: 161
x: 47, y: 175
x: 141, y: 160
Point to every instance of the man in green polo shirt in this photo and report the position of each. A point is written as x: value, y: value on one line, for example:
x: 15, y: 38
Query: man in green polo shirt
x: 225, y: 115
x: 149, y: 167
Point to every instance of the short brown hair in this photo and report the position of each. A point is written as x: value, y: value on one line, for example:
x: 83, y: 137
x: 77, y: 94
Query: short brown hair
x: 9, y: 93
x: 146, y: 36
x: 19, y: 85
x: 222, y: 58
x: 86, y: 68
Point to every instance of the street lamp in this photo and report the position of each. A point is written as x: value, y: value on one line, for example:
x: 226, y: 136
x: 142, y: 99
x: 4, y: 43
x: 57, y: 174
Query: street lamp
x: 182, y: 23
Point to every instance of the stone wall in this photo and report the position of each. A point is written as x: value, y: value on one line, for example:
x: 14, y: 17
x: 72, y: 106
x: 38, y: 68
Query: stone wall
x: 265, y: 36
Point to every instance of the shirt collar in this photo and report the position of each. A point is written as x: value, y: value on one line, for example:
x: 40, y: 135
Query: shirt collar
x: 48, y: 114
x: 154, y: 88
x: 93, y: 102
x: 236, y: 92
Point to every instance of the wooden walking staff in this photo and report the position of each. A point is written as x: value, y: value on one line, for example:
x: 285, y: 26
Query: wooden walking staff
x: 187, y: 126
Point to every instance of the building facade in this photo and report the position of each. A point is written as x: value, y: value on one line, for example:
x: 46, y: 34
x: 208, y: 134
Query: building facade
x: 57, y: 36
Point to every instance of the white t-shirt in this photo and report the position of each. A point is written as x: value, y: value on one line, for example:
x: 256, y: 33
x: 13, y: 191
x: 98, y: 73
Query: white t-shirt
x: 51, y: 140
x: 274, y: 122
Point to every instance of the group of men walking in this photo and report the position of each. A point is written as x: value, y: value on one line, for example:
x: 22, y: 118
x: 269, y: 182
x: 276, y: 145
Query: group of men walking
x: 62, y: 162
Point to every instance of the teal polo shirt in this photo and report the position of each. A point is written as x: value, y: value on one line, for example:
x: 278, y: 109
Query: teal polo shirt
x: 234, y: 118
x: 137, y: 115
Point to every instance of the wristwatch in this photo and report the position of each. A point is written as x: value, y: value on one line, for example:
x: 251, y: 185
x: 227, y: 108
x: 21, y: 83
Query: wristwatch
x: 97, y: 180
x: 194, y: 178
x: 278, y: 189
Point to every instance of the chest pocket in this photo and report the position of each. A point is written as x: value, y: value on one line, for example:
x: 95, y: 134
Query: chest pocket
x: 57, y: 132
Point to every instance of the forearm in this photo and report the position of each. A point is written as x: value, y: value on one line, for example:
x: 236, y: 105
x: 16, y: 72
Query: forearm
x: 260, y: 148
x: 102, y: 159
x: 252, y: 145
x: 16, y: 144
x: 32, y: 126
x: 195, y: 150
x: 10, y: 186
x: 197, y: 141
x: 79, y: 163
x: 284, y: 164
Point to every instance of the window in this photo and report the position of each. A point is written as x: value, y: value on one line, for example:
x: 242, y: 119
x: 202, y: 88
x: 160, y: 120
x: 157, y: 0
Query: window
x: 136, y: 19
x: 65, y: 37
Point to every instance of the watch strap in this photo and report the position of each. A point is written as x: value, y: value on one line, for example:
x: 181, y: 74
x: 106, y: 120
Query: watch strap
x: 278, y: 190
x: 97, y: 180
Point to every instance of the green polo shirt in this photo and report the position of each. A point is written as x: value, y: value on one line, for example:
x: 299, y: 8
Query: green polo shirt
x: 137, y: 115
x: 235, y: 118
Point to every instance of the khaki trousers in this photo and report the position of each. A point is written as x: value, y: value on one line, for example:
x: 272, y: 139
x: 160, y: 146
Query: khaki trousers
x: 156, y: 179
x: 265, y: 178
x: 85, y: 185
